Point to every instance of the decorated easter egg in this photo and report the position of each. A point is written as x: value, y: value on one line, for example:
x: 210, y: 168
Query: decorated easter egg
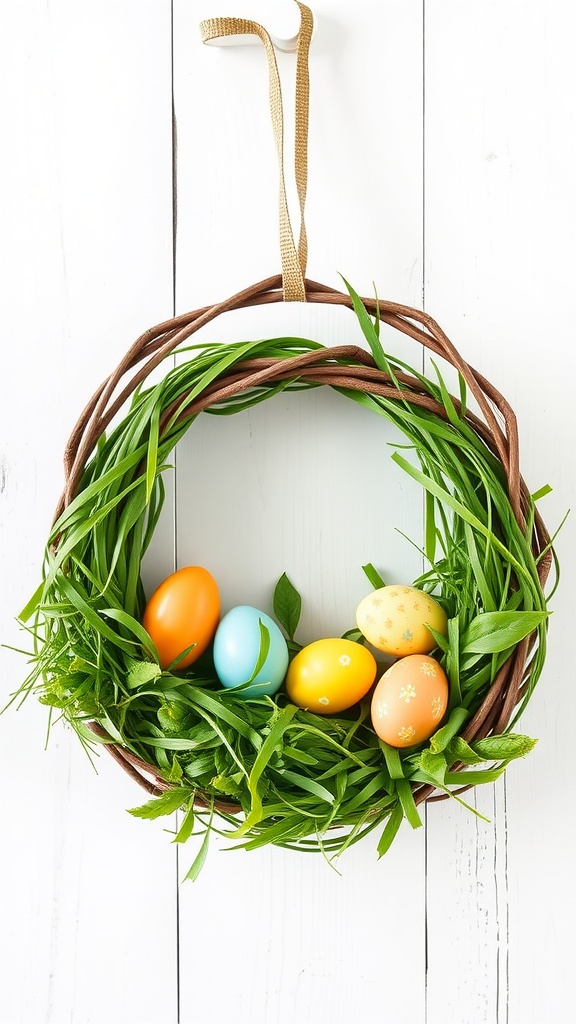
x: 328, y: 676
x: 395, y: 620
x: 182, y: 612
x: 410, y: 701
x: 244, y: 637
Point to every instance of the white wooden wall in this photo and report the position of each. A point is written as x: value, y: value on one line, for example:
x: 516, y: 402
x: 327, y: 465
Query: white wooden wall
x: 442, y: 167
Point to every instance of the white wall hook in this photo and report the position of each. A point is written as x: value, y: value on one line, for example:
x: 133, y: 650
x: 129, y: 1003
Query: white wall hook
x: 284, y: 43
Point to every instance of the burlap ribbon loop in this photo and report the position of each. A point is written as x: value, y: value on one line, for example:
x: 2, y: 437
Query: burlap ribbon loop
x: 294, y: 258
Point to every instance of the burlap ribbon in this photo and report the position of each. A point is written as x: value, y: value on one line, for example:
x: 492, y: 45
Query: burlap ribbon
x: 294, y: 258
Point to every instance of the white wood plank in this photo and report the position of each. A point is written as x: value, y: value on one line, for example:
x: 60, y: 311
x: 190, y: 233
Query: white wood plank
x: 88, y: 895
x: 500, y: 162
x: 302, y: 484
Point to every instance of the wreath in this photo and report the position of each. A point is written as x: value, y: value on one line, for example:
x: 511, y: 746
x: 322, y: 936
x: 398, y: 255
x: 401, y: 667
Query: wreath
x: 257, y: 768
x: 266, y: 764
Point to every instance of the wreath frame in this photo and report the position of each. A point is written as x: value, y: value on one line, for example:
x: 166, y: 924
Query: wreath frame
x: 356, y: 372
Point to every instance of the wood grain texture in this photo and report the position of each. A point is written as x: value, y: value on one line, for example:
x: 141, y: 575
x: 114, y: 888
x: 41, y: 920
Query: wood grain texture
x: 86, y: 264
x: 442, y: 162
x: 500, y: 218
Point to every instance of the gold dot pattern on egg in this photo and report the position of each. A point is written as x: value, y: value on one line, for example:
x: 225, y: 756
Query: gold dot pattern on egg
x: 438, y: 708
x: 397, y: 620
x: 427, y: 667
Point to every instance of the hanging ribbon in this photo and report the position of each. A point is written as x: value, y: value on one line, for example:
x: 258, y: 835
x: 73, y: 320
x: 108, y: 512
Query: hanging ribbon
x: 293, y: 258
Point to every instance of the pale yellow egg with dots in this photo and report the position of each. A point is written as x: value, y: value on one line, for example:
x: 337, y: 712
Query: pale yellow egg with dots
x: 395, y: 620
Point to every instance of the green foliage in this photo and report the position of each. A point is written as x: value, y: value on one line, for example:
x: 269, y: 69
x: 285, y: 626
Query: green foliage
x: 299, y: 780
x: 287, y: 605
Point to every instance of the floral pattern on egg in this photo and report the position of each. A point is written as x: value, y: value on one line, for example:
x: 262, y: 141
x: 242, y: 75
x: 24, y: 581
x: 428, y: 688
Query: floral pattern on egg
x: 396, y: 619
x: 409, y: 701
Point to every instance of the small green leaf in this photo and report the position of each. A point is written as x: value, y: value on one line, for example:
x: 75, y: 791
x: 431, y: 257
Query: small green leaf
x: 503, y: 748
x: 474, y: 778
x: 187, y: 825
x: 169, y: 802
x: 439, y: 639
x: 180, y: 657
x: 542, y: 492
x: 389, y: 834
x: 404, y: 790
x: 433, y: 765
x: 287, y: 605
x: 392, y: 758
x: 491, y: 632
x: 200, y: 858
x: 228, y: 784
x: 373, y: 576
x: 175, y: 774
x: 440, y: 740
x: 458, y: 751
x: 263, y: 652
x: 141, y: 672
x: 309, y: 785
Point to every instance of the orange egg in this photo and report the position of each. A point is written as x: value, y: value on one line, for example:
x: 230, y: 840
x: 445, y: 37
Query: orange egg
x: 328, y: 676
x: 184, y: 610
x: 410, y: 701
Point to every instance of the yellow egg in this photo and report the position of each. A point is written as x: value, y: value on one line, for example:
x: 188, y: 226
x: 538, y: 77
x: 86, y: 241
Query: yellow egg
x: 328, y: 676
x: 410, y: 701
x: 395, y: 620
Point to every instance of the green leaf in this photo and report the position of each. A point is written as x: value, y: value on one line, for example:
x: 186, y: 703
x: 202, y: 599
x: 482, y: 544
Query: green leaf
x: 141, y: 672
x: 373, y: 576
x: 389, y: 834
x: 309, y: 785
x: 152, y: 456
x: 175, y: 774
x: 271, y: 743
x: 404, y: 790
x: 287, y: 605
x: 504, y: 748
x: 542, y: 492
x: 228, y: 784
x: 200, y: 858
x: 439, y: 639
x: 434, y: 765
x: 368, y: 329
x: 169, y: 802
x: 458, y: 751
x: 392, y: 758
x: 263, y: 651
x: 187, y: 825
x: 474, y: 778
x: 491, y: 632
x: 440, y: 740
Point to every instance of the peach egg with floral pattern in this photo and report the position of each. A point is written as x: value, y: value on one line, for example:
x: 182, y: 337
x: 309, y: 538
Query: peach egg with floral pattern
x: 410, y: 701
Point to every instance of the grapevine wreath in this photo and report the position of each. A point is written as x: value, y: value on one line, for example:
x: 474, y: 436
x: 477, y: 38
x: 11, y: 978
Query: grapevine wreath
x: 261, y: 766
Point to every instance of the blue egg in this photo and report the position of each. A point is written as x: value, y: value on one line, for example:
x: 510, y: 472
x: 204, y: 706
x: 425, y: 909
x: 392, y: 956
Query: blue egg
x: 237, y: 646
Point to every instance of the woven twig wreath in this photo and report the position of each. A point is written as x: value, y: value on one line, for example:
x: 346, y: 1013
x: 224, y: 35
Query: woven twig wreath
x: 292, y: 776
